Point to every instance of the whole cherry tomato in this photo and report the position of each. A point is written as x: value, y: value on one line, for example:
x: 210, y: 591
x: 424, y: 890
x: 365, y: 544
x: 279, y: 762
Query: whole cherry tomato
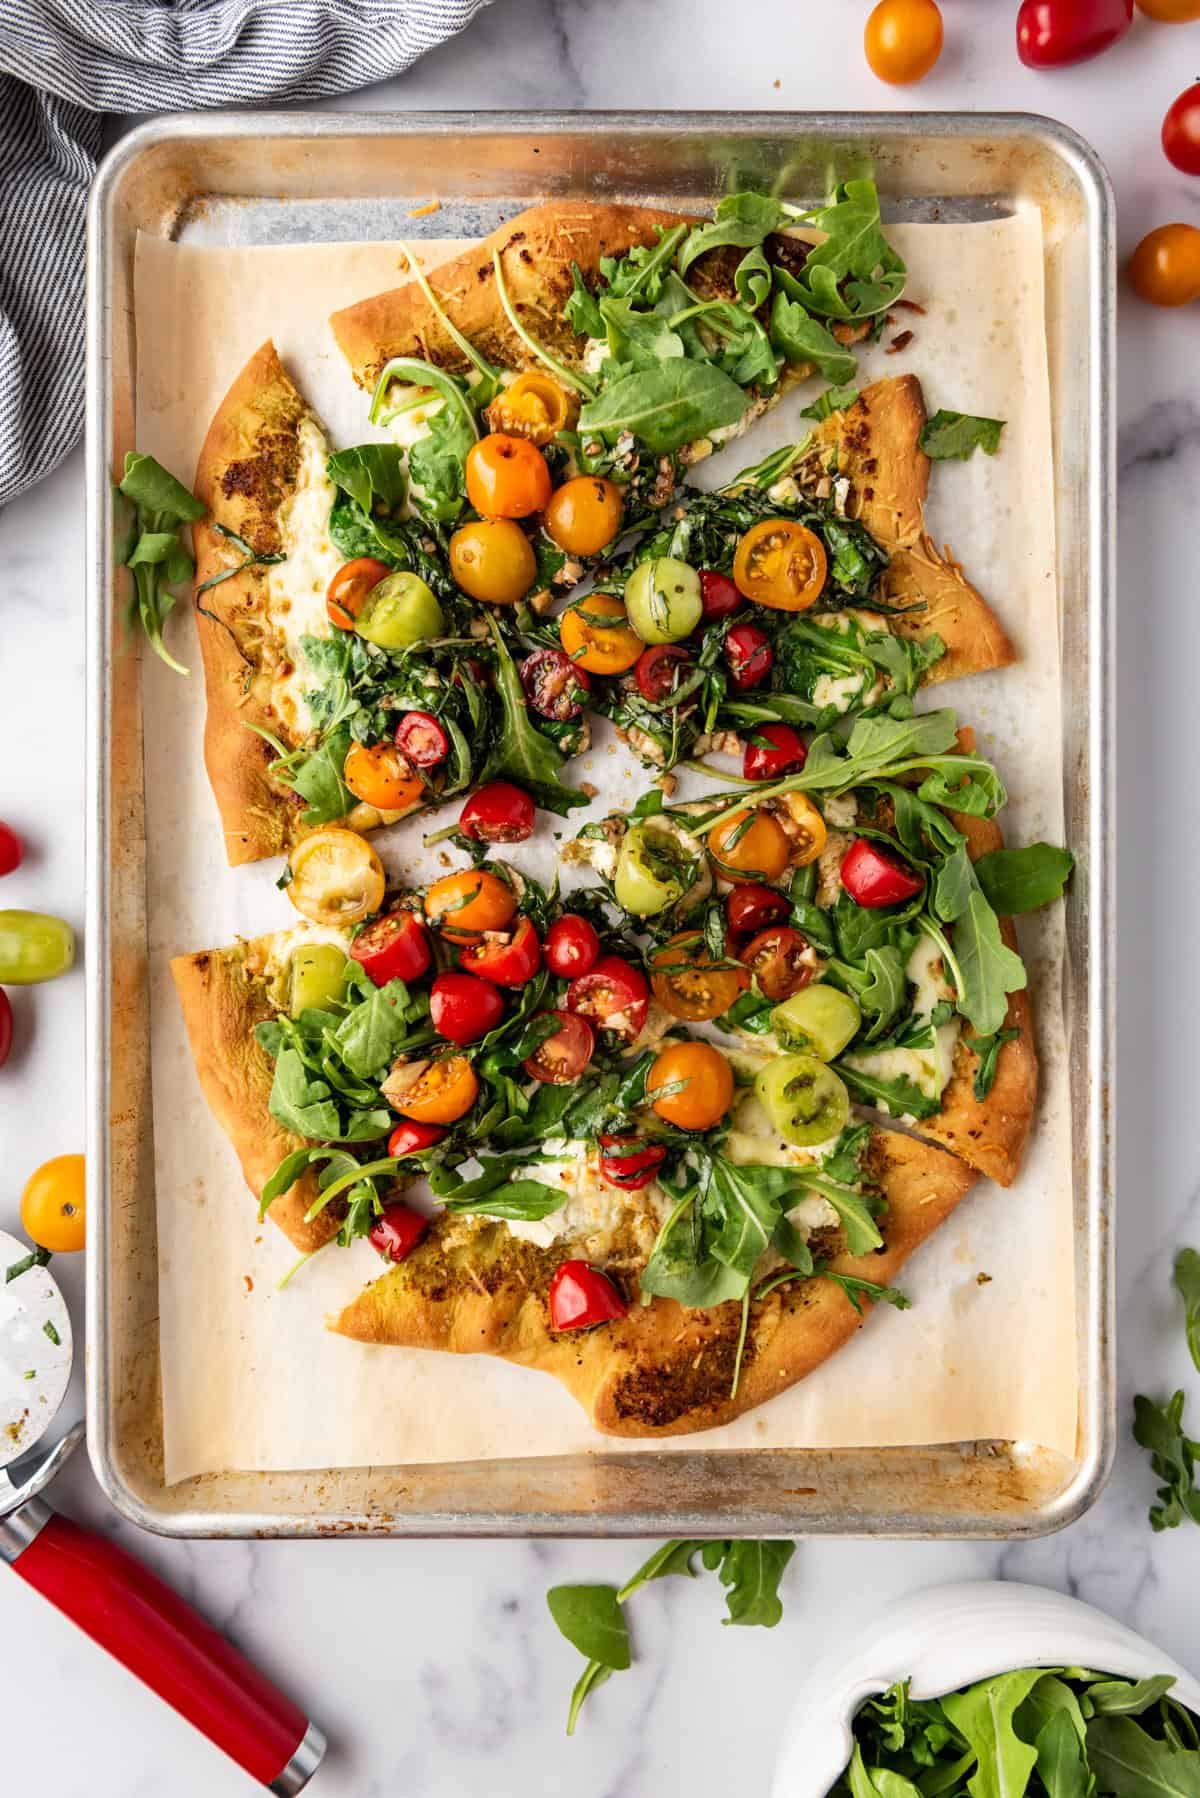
x: 874, y: 878
x: 555, y: 686
x: 749, y: 655
x: 1165, y: 267
x: 463, y: 1008
x: 778, y: 958
x: 612, y: 994
x: 1054, y: 33
x: 660, y: 670
x: 1170, y: 12
x: 6, y: 1026
x: 394, y: 947
x: 347, y: 592
x: 562, y: 1056
x: 445, y: 1091
x: 572, y: 946
x: 629, y: 1163
x: 718, y: 594
x: 397, y: 1231
x: 751, y: 908
x: 773, y: 750
x: 750, y: 843
x: 581, y: 1296
x: 584, y: 515
x: 497, y: 813
x: 410, y: 1139
x: 462, y: 905
x: 381, y: 777
x: 507, y: 477
x: 781, y: 564
x: 54, y: 1205
x: 597, y: 635
x: 492, y: 560
x: 696, y: 1085
x: 510, y: 963
x: 421, y: 740
x: 903, y: 40
x: 11, y: 849
x: 1181, y: 131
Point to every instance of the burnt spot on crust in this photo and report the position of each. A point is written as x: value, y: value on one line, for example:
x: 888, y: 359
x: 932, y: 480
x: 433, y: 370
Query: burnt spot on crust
x: 659, y: 1394
x: 263, y: 481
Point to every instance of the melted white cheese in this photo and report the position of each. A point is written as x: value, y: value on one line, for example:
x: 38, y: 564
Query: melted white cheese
x: 296, y: 587
x: 929, y: 1069
x: 840, y: 809
x: 846, y: 690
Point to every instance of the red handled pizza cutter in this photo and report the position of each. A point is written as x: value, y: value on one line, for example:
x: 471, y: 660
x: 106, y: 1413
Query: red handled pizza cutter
x: 116, y: 1601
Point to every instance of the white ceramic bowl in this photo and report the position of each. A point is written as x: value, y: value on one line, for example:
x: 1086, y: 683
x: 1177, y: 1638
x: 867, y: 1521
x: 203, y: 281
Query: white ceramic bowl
x: 944, y: 1638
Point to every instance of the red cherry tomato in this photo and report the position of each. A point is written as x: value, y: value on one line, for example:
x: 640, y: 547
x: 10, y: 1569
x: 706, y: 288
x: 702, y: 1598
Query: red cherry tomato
x: 630, y: 1163
x: 498, y: 813
x: 718, y: 594
x: 658, y: 671
x: 873, y: 878
x: 571, y: 946
x: 749, y: 655
x: 776, y: 958
x: 563, y: 1055
x: 463, y: 1008
x: 421, y: 740
x: 614, y: 994
x: 394, y: 947
x: 510, y: 962
x: 1053, y: 33
x: 11, y: 849
x: 6, y: 1026
x: 409, y: 1138
x: 581, y: 1296
x: 1181, y: 131
x: 397, y: 1231
x: 555, y: 686
x: 783, y: 752
x: 751, y: 907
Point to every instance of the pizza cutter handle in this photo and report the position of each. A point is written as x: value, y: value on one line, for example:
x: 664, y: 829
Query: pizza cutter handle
x: 128, y: 1610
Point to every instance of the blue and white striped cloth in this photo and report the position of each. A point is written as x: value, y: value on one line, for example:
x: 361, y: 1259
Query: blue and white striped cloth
x: 63, y: 63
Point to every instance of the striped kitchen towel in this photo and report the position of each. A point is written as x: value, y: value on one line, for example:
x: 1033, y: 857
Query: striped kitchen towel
x: 63, y: 64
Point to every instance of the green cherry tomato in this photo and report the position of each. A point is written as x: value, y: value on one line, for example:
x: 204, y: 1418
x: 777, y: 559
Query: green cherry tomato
x: 400, y: 611
x: 662, y: 598
x: 821, y: 1020
x: 653, y: 871
x: 318, y: 977
x: 34, y: 947
x: 804, y: 1099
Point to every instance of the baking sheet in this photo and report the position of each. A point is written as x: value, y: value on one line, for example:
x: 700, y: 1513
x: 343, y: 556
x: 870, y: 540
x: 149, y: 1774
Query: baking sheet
x: 250, y: 1379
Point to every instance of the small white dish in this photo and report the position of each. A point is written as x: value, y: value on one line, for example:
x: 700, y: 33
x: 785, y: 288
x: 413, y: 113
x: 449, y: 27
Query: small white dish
x: 943, y: 1638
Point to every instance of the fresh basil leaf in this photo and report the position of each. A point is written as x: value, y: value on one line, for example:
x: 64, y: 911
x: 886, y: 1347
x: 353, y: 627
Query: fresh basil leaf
x: 956, y: 435
x: 742, y: 219
x: 591, y: 1619
x: 750, y: 1573
x: 665, y: 407
x: 801, y: 339
x: 1020, y: 880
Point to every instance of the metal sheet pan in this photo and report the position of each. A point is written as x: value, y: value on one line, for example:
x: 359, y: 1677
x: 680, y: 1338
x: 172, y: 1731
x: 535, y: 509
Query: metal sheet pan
x: 268, y: 178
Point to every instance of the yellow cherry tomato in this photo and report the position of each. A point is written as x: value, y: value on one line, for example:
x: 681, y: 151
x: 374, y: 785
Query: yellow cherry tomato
x: 584, y: 514
x: 781, y: 564
x: 446, y: 1090
x: 698, y: 1083
x: 54, y: 1207
x: 688, y: 984
x: 337, y: 878
x: 533, y: 406
x: 507, y: 476
x: 1165, y: 267
x: 381, y: 777
x: 1170, y: 12
x: 805, y: 828
x: 492, y: 559
x: 903, y: 40
x: 750, y: 846
x: 597, y: 635
x: 463, y: 905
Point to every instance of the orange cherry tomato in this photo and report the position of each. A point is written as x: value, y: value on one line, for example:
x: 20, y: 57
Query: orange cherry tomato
x: 492, y: 559
x: 533, y: 406
x: 750, y: 846
x: 444, y: 1093
x: 698, y: 1083
x: 806, y: 830
x: 596, y: 635
x: 463, y: 905
x: 1165, y: 267
x: 337, y: 878
x: 507, y: 477
x: 584, y: 515
x: 903, y: 40
x: 781, y: 564
x: 381, y: 777
x: 688, y: 985
x: 54, y: 1205
x: 347, y: 591
x: 1170, y: 12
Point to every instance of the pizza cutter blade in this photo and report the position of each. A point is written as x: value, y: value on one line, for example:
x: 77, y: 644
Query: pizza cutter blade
x: 116, y: 1601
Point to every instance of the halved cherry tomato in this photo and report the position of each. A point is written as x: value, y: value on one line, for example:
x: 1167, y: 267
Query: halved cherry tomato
x: 444, y: 1093
x: 347, y: 591
x: 581, y: 1296
x: 782, y: 752
x: 11, y: 849
x: 1165, y: 267
x: 507, y: 477
x: 562, y: 1056
x: 874, y: 878
x: 696, y: 1085
x: 54, y: 1205
x: 660, y: 670
x: 1181, y: 131
x: 718, y: 594
x: 584, y: 515
x: 6, y: 1026
x: 462, y: 1008
x: 688, y: 984
x: 750, y: 843
x: 421, y: 740
x: 492, y: 560
x: 397, y: 1231
x: 394, y: 947
x: 781, y: 564
x: 751, y: 907
x: 1054, y: 33
x: 776, y: 958
x: 509, y: 963
x: 804, y: 827
x: 498, y: 813
x: 462, y: 905
x: 614, y: 994
x: 572, y: 946
x: 749, y: 655
x: 337, y: 878
x: 629, y: 1163
x: 554, y: 686
x: 381, y: 777
x: 903, y: 40
x: 596, y: 634
x: 411, y: 1139
x: 533, y: 406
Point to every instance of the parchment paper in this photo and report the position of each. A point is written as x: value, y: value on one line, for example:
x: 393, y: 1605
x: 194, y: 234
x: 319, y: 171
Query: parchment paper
x: 251, y: 1379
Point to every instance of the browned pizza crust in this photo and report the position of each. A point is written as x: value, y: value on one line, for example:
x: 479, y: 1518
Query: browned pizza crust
x: 222, y: 1000
x: 663, y: 1370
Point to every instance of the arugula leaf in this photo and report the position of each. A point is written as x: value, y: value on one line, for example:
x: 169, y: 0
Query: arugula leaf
x: 590, y: 1618
x: 520, y: 751
x: 988, y: 1048
x: 985, y: 969
x: 856, y: 1289
x: 1127, y: 1697
x: 157, y: 558
x: 1020, y: 880
x: 956, y: 435
x: 900, y: 1097
x: 834, y: 399
x: 751, y: 1572
x: 526, y: 1199
x: 1187, y: 1284
x: 1060, y: 1761
x: 370, y: 1035
x: 665, y: 406
x: 983, y: 1716
x: 317, y: 777
x: 672, y: 1558
x: 855, y: 272
x: 1159, y: 1430
x: 153, y: 488
x: 372, y: 474
x: 582, y: 312
x: 437, y: 462
x: 799, y: 339
x: 1127, y: 1759
x: 742, y: 219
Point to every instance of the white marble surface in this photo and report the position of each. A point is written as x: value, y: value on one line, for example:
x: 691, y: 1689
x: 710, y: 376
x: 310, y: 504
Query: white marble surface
x: 433, y: 1666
